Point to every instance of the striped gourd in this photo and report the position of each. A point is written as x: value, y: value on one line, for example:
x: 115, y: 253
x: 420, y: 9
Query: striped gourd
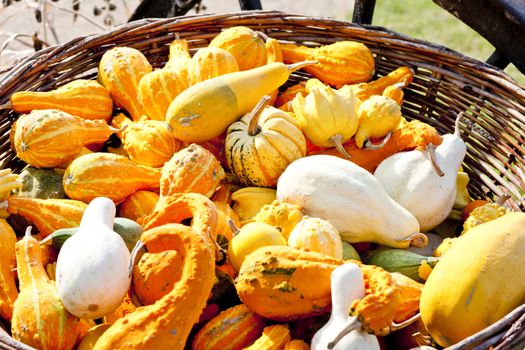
x: 192, y: 169
x: 150, y: 142
x: 273, y: 338
x: 39, y: 318
x: 210, y: 62
x: 83, y: 98
x: 138, y: 205
x: 316, y: 235
x: 233, y: 329
x: 179, y: 57
x: 158, y: 89
x: 296, y: 344
x: 48, y: 215
x: 120, y: 70
x: 107, y: 175
x: 8, y: 291
x: 49, y: 138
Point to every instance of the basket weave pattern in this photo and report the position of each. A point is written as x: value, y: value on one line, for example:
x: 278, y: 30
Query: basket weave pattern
x: 445, y: 84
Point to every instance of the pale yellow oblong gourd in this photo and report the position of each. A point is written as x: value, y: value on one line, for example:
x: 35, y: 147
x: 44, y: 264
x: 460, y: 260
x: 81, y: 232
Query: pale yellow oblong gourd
x: 316, y: 235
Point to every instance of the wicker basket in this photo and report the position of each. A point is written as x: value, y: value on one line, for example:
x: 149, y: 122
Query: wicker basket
x: 445, y: 84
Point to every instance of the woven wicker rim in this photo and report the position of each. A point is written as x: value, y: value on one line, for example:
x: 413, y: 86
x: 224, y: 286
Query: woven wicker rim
x: 445, y: 84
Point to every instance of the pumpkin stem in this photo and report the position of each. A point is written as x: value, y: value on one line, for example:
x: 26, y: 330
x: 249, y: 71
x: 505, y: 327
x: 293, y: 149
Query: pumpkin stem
x: 418, y: 240
x: 337, y: 140
x: 352, y: 326
x: 28, y: 231
x: 253, y: 126
x: 397, y: 326
x: 299, y: 65
x: 457, y: 130
x: 7, y: 105
x: 233, y: 227
x: 501, y: 200
x: 431, y: 151
x: 370, y: 146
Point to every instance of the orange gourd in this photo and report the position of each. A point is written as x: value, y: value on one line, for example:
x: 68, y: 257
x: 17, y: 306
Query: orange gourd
x: 210, y: 62
x: 340, y: 63
x: 244, y: 44
x: 167, y: 323
x: 296, y: 344
x: 8, y: 291
x: 149, y: 142
x: 120, y: 71
x: 157, y: 90
x: 192, y: 169
x: 138, y: 205
x: 179, y: 58
x: 83, y: 98
x: 273, y: 338
x: 401, y: 75
x: 39, y: 318
x: 273, y: 54
x: 107, y: 175
x: 233, y: 329
x: 49, y: 138
x: 48, y: 215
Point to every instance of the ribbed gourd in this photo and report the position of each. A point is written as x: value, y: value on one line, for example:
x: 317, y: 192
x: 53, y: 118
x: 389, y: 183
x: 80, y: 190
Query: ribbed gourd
x: 107, y: 175
x: 283, y: 216
x: 247, y: 201
x: 244, y: 44
x: 262, y: 144
x: 39, y: 319
x: 149, y: 142
x: 49, y: 138
x: 179, y: 58
x: 48, y: 215
x: 340, y: 63
x: 273, y: 337
x: 233, y: 329
x: 316, y: 235
x: 326, y: 117
x: 157, y: 89
x: 83, y: 98
x: 378, y: 115
x: 138, y: 205
x: 120, y: 71
x: 192, y: 169
x: 210, y: 62
x: 8, y: 291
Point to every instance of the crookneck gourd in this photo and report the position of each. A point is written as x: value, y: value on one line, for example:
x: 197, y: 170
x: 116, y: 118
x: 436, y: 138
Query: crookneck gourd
x: 83, y: 98
x: 167, y: 323
x: 120, y: 71
x: 39, y: 318
x: 107, y: 175
x: 149, y: 142
x: 262, y: 144
x: 234, y: 328
x: 210, y: 62
x: 378, y: 116
x: 48, y: 215
x: 157, y: 89
x: 340, y: 63
x: 48, y: 138
x: 192, y: 169
x: 244, y: 44
x: 8, y: 291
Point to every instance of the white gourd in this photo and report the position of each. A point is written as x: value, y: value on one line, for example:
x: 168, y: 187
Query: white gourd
x: 347, y: 285
x: 351, y: 199
x: 92, y: 271
x: 411, y: 180
x: 316, y: 235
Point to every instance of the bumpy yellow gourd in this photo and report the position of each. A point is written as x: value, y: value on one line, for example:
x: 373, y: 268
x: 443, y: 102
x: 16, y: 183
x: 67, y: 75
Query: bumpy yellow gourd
x: 283, y: 216
x: 378, y: 116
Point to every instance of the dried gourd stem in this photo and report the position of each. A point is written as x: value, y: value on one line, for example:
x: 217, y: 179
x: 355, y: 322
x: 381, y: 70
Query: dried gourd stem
x: 370, y: 146
x: 299, y: 65
x: 233, y: 227
x: 431, y: 152
x: 253, y: 126
x: 457, y: 130
x: 7, y: 105
x: 352, y: 326
x: 418, y: 240
x: 337, y: 140
x: 28, y: 231
x: 397, y: 326
x: 501, y: 200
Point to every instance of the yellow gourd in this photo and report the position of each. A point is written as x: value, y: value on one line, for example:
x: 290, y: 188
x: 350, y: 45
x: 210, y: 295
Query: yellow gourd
x: 316, y: 235
x: 478, y: 281
x: 8, y: 291
x: 247, y: 201
x: 273, y: 338
x: 210, y: 62
x: 179, y: 58
x: 378, y: 116
x: 283, y: 216
x: 205, y: 110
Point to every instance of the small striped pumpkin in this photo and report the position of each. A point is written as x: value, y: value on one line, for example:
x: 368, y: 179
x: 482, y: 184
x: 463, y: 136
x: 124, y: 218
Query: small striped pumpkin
x: 83, y: 98
x: 49, y: 138
x: 192, y: 169
x: 210, y: 62
x: 273, y: 338
x: 316, y: 235
x: 107, y: 175
x: 120, y: 71
x: 157, y: 90
x: 233, y: 329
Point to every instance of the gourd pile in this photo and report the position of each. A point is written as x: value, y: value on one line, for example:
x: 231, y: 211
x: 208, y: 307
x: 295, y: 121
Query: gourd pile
x: 204, y: 205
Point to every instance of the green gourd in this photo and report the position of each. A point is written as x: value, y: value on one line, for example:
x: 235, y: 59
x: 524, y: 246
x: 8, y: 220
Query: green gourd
x: 402, y: 261
x: 41, y: 183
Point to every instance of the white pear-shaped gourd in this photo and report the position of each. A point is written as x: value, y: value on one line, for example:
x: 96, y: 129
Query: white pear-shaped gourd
x: 92, y: 271
x: 351, y: 199
x: 412, y: 179
x: 347, y: 284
